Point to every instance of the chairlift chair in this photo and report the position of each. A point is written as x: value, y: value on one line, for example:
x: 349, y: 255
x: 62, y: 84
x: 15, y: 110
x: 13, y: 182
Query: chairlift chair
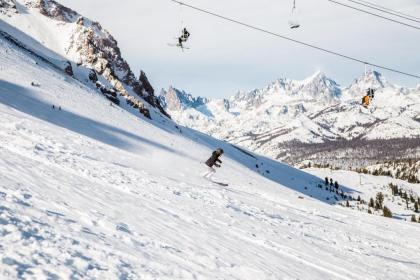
x: 293, y: 22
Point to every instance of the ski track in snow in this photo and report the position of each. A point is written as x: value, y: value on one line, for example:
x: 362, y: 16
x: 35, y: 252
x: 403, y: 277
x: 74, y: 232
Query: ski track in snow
x: 40, y: 172
x: 127, y: 202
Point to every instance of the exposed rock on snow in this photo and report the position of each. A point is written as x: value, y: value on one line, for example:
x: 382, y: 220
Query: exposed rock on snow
x: 53, y: 10
x: 176, y: 100
x: 7, y: 6
x: 68, y: 69
x: 89, y: 46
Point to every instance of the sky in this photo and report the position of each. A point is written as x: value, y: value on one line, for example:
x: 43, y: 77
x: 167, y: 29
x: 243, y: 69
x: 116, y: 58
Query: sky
x: 224, y: 58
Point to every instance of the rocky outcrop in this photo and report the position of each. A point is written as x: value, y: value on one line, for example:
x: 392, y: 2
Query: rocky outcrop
x: 8, y: 6
x: 68, y: 69
x: 172, y: 100
x: 97, y: 49
x: 93, y: 47
x: 93, y: 77
x: 176, y: 100
x: 145, y: 82
x: 53, y: 10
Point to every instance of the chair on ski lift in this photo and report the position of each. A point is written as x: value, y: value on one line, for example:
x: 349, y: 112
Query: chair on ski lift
x: 185, y: 34
x: 370, y: 92
x: 293, y: 22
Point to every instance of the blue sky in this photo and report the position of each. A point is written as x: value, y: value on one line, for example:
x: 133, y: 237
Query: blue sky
x: 224, y: 58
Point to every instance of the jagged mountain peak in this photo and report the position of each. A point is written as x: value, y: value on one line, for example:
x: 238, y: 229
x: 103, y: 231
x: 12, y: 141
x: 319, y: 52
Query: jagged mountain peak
x: 320, y: 86
x: 317, y: 76
x: 174, y: 99
x: 376, y: 79
x: 314, y: 110
x: 85, y: 48
x: 370, y: 79
x: 53, y: 10
x: 316, y: 87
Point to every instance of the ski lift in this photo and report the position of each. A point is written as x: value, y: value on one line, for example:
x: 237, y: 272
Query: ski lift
x: 293, y: 22
x: 369, y: 94
x: 185, y: 34
x: 182, y: 39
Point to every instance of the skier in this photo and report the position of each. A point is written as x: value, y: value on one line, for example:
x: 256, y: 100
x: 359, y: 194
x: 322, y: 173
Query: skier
x: 184, y: 37
x: 213, y: 161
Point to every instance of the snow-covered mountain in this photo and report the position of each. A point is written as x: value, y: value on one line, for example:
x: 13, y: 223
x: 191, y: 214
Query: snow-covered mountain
x: 80, y: 47
x: 302, y: 120
x: 91, y: 191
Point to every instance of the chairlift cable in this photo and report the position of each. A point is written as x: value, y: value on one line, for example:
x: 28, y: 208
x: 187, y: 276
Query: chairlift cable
x: 373, y: 14
x: 385, y: 10
x: 296, y: 41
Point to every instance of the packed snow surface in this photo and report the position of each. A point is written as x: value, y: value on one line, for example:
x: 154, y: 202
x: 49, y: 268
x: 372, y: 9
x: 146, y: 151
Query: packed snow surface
x: 90, y: 191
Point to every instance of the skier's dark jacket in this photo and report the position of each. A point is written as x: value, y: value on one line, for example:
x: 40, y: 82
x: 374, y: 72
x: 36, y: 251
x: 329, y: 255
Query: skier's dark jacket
x: 214, y: 159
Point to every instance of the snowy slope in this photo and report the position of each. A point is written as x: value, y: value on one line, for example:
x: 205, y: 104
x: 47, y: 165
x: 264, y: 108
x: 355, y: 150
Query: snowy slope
x: 93, y: 191
x: 289, y: 115
x: 81, y: 47
x: 368, y: 186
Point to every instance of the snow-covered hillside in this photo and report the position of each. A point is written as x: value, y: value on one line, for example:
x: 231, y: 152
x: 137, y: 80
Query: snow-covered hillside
x: 292, y: 120
x: 89, y: 190
x: 81, y: 47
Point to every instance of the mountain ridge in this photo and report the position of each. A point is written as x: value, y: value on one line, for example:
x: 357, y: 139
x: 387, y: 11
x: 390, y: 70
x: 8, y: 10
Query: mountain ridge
x: 317, y: 110
x: 81, y: 47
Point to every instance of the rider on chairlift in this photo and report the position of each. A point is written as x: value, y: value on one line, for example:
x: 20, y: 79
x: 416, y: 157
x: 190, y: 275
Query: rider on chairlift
x: 370, y: 94
x: 183, y: 38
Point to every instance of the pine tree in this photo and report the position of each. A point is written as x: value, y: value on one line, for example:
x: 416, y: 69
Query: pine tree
x: 371, y: 203
x: 359, y: 199
x: 394, y: 189
x: 369, y: 211
x: 326, y: 181
x: 380, y: 199
x: 387, y: 212
x: 336, y: 185
x: 331, y: 182
x: 347, y: 203
x: 416, y: 207
x: 414, y: 219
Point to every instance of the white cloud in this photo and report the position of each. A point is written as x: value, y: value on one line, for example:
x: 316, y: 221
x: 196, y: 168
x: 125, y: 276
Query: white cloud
x: 225, y: 57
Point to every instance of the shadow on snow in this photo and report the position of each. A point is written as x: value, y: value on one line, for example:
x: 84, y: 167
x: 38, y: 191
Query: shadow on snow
x: 20, y: 99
